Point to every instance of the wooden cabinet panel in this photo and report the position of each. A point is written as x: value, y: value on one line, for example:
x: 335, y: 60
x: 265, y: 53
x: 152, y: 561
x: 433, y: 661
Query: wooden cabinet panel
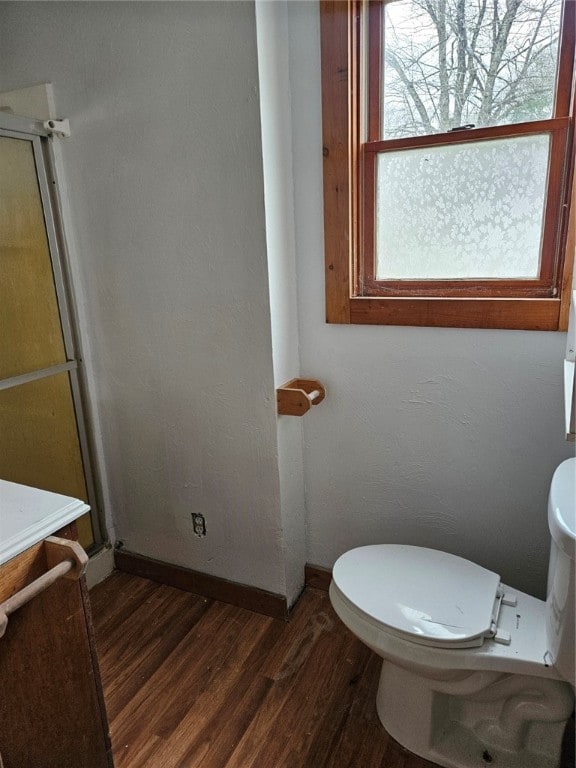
x: 51, y: 707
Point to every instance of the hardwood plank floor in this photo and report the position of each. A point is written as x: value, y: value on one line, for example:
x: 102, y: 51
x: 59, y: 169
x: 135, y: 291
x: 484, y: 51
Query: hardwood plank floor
x: 194, y: 683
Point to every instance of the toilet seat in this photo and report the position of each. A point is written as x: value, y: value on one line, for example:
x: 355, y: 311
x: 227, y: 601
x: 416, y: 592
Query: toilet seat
x: 449, y: 691
x: 423, y: 595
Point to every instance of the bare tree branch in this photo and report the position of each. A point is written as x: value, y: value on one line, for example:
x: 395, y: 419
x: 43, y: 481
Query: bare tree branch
x: 394, y: 62
x: 460, y: 61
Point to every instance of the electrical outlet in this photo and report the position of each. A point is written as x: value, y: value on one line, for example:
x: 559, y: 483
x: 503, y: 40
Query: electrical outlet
x: 199, y: 524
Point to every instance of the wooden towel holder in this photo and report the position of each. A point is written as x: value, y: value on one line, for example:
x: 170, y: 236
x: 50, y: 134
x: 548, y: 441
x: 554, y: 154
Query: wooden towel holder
x: 296, y: 397
x: 64, y: 558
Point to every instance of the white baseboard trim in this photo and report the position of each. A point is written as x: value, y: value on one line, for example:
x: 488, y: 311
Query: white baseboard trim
x: 99, y: 567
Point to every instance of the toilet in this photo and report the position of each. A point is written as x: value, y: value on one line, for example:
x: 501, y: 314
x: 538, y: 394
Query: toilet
x: 474, y: 672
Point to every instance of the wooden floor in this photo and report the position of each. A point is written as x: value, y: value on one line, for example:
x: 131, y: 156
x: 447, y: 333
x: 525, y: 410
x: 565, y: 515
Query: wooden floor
x: 193, y: 683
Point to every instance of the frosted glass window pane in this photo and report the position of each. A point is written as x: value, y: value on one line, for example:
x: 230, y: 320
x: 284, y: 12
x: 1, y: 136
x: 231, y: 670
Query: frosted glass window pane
x: 448, y: 63
x: 461, y: 211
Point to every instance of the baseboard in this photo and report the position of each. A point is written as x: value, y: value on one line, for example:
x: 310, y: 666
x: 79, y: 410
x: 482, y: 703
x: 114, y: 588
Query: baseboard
x: 213, y: 587
x: 99, y: 567
x: 317, y: 576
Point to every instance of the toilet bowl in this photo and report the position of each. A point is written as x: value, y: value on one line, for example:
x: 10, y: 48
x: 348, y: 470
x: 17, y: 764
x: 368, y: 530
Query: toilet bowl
x: 474, y: 672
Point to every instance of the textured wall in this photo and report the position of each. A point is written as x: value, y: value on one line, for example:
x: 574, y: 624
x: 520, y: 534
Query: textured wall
x: 166, y: 195
x: 273, y: 68
x: 437, y: 437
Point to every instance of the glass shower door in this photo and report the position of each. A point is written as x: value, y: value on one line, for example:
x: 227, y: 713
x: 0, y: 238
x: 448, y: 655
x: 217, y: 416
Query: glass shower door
x: 40, y: 442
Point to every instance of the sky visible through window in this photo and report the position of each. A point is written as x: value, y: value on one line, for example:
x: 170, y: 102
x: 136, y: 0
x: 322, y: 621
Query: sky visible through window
x: 449, y: 63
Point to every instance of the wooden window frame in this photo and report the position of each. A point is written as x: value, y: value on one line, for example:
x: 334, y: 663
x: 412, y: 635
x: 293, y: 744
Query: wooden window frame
x: 348, y: 175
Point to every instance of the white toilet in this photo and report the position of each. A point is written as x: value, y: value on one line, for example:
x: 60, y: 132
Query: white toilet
x: 474, y: 673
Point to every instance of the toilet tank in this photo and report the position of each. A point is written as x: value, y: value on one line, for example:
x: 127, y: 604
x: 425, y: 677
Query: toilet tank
x: 560, y: 632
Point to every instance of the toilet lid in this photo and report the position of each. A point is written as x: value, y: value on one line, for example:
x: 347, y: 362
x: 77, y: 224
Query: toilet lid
x: 433, y: 597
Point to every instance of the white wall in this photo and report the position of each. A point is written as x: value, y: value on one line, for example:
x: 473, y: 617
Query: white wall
x: 437, y: 437
x: 166, y: 194
x: 275, y: 116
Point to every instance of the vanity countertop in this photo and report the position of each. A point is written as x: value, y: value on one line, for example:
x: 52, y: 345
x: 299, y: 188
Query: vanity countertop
x: 28, y: 515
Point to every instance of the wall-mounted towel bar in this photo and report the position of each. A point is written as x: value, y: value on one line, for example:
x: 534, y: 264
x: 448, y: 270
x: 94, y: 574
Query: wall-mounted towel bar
x: 297, y: 396
x: 65, y: 559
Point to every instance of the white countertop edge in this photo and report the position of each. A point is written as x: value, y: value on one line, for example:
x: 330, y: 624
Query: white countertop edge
x: 40, y: 529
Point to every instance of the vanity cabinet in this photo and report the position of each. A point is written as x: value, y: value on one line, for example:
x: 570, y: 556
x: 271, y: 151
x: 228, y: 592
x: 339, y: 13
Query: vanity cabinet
x: 52, y: 711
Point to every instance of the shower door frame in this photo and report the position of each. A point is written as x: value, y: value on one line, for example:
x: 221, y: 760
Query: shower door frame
x: 34, y: 131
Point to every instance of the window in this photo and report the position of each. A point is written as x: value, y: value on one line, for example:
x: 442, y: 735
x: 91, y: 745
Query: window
x: 448, y: 151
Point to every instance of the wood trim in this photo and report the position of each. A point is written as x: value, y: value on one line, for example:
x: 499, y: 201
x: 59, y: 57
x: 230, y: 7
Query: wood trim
x: 548, y: 282
x: 374, y: 84
x: 568, y: 233
x: 342, y: 185
x: 507, y: 131
x: 317, y: 577
x: 567, y: 277
x: 566, y: 47
x: 355, y: 138
x: 460, y: 288
x: 336, y: 132
x: 212, y: 587
x: 553, y: 248
x: 514, y: 314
